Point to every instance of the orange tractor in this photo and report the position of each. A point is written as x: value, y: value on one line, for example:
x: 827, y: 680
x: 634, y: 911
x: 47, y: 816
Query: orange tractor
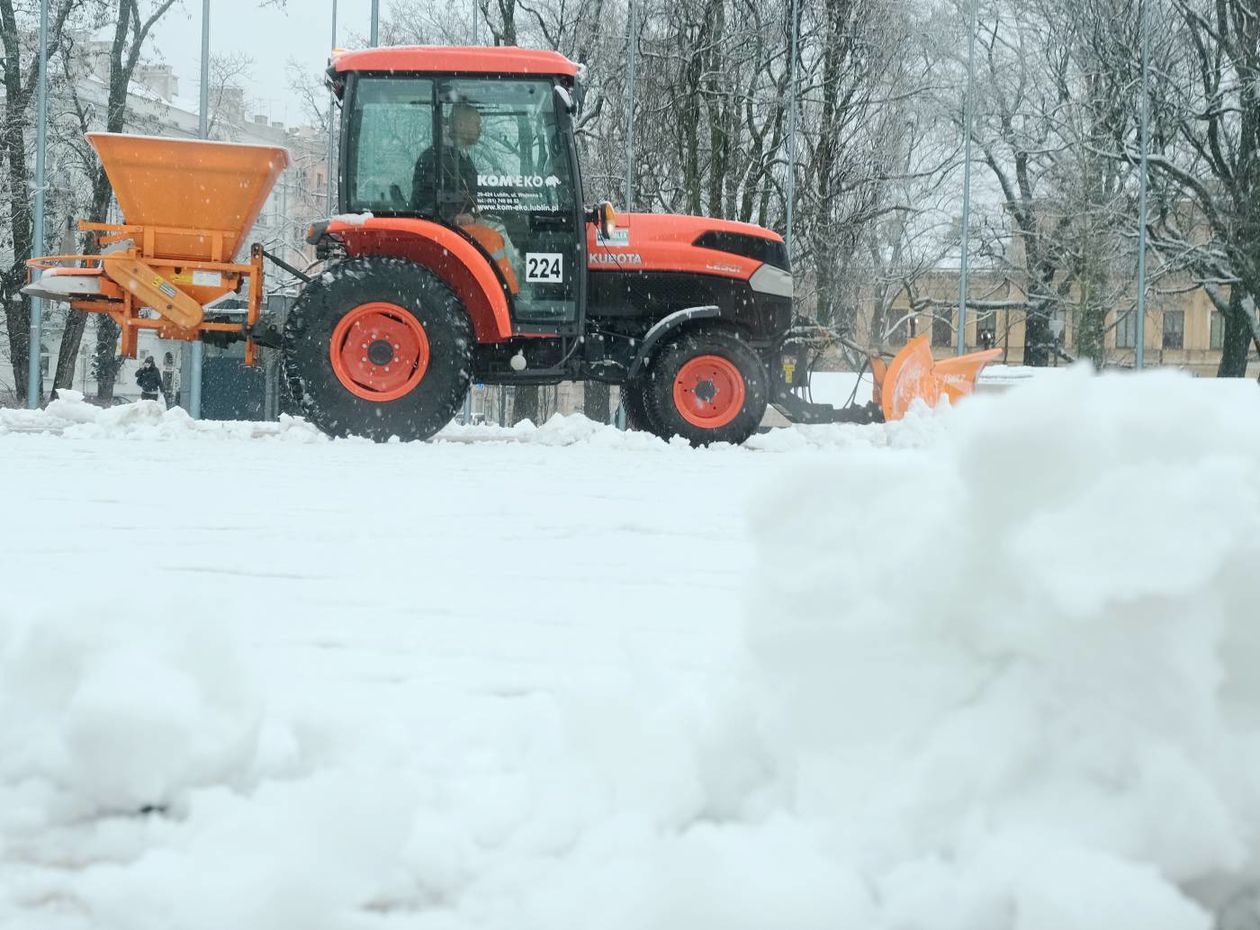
x: 463, y: 252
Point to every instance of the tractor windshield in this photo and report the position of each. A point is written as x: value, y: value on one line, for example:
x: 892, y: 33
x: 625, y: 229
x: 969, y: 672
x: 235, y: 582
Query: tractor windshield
x: 486, y: 155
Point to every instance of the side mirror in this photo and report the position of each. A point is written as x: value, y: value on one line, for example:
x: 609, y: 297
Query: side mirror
x: 566, y: 99
x: 579, y: 87
x: 605, y: 218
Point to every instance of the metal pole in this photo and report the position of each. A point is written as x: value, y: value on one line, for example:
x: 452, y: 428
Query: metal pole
x: 474, y: 22
x: 197, y: 349
x: 790, y: 193
x: 35, y: 349
x: 632, y: 54
x: 969, y: 106
x: 204, y: 124
x: 376, y: 22
x: 331, y: 168
x: 1139, y: 359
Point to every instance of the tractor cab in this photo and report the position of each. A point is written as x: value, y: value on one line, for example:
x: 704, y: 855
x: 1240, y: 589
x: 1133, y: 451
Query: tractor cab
x: 487, y: 155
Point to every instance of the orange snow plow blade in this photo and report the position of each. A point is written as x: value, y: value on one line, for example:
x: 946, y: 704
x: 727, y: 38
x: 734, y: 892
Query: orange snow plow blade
x: 915, y: 375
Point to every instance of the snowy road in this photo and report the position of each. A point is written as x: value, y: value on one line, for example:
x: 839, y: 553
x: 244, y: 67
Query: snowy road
x: 442, y: 607
x: 421, y: 563
x: 574, y: 678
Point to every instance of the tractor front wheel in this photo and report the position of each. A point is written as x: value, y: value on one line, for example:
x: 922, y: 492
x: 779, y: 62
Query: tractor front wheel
x: 636, y: 400
x: 378, y: 347
x: 707, y: 386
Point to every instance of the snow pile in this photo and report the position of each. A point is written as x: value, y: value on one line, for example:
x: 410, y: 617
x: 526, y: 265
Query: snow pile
x: 560, y: 430
x: 994, y: 672
x: 109, y: 710
x: 71, y: 416
x: 1012, y: 675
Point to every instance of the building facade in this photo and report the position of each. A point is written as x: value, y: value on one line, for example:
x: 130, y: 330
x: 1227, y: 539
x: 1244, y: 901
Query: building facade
x: 1183, y: 328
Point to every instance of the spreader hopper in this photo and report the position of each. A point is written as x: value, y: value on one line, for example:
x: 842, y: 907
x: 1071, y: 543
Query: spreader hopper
x: 199, y: 198
x: 187, y: 206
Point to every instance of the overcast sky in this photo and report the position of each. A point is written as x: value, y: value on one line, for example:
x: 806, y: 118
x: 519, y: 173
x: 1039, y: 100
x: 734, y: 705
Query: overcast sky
x: 271, y: 37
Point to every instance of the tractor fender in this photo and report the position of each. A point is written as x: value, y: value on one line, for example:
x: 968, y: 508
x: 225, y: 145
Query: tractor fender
x: 662, y: 328
x: 454, y: 259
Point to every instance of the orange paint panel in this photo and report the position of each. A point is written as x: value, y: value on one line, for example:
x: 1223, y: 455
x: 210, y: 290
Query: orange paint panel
x: 196, y: 199
x: 663, y: 242
x: 709, y: 391
x: 405, y: 342
x: 915, y: 375
x: 447, y: 254
x: 424, y: 59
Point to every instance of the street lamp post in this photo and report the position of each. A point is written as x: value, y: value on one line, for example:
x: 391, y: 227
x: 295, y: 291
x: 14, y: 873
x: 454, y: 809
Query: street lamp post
x: 632, y: 53
x: 331, y: 168
x: 790, y: 185
x: 197, y: 351
x: 1139, y: 358
x: 35, y: 349
x: 376, y: 23
x: 969, y: 106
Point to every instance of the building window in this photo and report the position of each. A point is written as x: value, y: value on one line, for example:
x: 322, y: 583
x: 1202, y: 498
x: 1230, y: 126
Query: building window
x: 987, y: 329
x: 943, y: 327
x: 1126, y: 331
x: 1174, y: 328
x: 1216, y: 335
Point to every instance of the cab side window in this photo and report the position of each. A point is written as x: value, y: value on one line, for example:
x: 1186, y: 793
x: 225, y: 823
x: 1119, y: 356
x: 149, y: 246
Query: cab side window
x: 392, y: 122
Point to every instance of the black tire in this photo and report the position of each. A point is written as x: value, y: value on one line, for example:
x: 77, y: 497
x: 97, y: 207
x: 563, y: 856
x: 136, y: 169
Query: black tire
x: 636, y: 401
x: 668, y: 361
x: 324, y: 399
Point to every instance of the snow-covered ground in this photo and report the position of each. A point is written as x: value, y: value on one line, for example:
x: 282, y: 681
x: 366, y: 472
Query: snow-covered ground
x: 987, y: 668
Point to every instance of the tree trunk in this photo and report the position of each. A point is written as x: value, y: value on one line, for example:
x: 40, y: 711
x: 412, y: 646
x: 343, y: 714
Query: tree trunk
x: 1236, y: 340
x: 596, y: 399
x: 17, y: 312
x: 105, y: 362
x: 1091, y: 313
x: 1038, y: 340
x: 525, y: 403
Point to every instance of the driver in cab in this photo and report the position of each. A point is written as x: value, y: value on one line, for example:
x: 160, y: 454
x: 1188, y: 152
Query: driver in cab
x: 458, y: 201
x: 456, y: 197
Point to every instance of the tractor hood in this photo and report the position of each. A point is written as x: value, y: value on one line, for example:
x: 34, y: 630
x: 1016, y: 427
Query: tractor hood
x: 686, y: 244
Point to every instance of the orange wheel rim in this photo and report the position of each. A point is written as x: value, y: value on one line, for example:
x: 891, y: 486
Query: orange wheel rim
x: 709, y: 391
x: 379, y: 351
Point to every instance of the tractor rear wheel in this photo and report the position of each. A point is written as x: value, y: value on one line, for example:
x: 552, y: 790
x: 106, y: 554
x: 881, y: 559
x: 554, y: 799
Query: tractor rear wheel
x: 707, y: 386
x: 378, y: 347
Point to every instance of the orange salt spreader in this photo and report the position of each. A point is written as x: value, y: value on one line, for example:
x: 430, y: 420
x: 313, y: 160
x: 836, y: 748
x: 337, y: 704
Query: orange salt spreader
x: 186, y: 207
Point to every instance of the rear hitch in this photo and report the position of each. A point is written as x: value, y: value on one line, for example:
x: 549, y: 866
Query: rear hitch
x: 266, y: 334
x: 799, y: 410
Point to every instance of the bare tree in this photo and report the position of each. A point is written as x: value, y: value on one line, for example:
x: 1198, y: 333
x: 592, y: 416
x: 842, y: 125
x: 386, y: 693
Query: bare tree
x: 19, y: 70
x: 131, y: 31
x: 1208, y: 108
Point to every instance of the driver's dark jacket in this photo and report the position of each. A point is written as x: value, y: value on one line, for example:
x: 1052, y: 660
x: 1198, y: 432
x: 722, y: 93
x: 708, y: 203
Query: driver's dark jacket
x: 459, y: 193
